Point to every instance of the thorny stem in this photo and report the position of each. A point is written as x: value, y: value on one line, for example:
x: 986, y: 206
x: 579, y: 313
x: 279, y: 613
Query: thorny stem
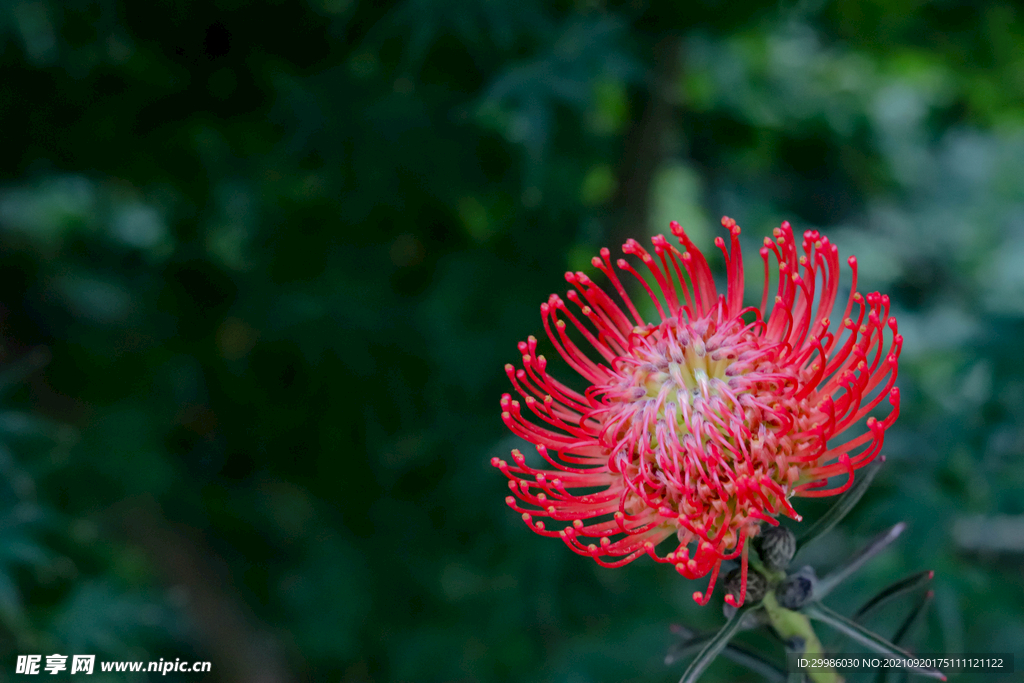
x: 789, y: 624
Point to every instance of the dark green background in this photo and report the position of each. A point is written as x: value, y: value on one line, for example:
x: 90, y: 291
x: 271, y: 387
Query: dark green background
x: 277, y: 255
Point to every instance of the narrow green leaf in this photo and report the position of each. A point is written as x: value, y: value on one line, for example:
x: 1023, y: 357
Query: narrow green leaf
x: 904, y: 628
x: 874, y: 546
x: 689, y: 643
x: 738, y: 654
x: 754, y: 662
x: 842, y: 506
x: 714, y: 646
x: 856, y: 632
x: 901, y: 632
x: 892, y: 592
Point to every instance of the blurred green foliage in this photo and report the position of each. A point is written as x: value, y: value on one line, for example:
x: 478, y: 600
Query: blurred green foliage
x: 280, y: 252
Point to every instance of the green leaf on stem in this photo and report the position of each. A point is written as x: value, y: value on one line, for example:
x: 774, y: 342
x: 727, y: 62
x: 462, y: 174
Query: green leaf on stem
x: 919, y: 608
x: 875, y: 546
x: 689, y: 643
x: 714, y: 646
x: 692, y: 643
x: 869, y: 639
x: 842, y: 506
x: 754, y: 662
x: 892, y: 592
x: 904, y: 628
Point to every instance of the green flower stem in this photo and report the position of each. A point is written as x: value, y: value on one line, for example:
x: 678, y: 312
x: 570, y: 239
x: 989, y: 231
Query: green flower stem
x: 774, y: 576
x: 789, y: 624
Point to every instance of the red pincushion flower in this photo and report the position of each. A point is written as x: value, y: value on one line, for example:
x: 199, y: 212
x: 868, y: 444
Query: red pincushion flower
x: 705, y: 423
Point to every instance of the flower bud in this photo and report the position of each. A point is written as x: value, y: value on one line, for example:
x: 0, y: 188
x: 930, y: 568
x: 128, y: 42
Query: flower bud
x: 776, y: 547
x: 757, y: 585
x: 796, y: 590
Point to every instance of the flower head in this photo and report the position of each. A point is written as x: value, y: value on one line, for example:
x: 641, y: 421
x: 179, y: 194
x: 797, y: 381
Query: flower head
x: 704, y: 423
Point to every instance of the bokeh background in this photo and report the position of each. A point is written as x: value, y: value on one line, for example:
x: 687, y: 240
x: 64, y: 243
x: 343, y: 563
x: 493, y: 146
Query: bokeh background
x: 261, y: 265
